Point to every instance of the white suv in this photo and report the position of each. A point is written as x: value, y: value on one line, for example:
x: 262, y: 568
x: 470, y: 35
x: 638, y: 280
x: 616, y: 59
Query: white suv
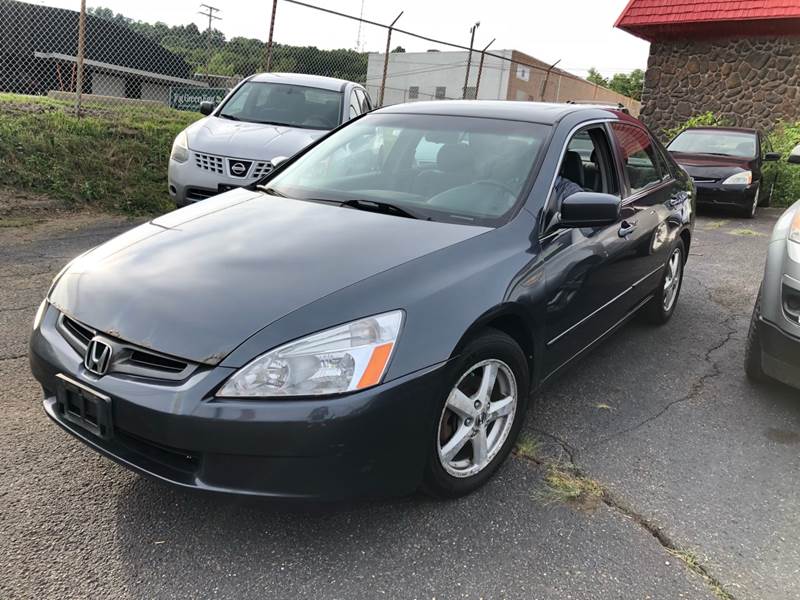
x: 266, y: 116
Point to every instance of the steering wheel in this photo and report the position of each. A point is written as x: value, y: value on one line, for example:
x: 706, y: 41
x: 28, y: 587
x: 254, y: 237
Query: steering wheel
x: 470, y: 194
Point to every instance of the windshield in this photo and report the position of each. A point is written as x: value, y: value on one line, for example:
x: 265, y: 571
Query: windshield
x: 727, y: 143
x: 442, y: 168
x: 282, y: 104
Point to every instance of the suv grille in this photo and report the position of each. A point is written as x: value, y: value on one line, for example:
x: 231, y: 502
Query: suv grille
x: 261, y: 169
x: 209, y: 162
x: 126, y: 358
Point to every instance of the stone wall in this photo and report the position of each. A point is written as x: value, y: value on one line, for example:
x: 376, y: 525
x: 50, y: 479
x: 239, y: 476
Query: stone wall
x: 750, y: 82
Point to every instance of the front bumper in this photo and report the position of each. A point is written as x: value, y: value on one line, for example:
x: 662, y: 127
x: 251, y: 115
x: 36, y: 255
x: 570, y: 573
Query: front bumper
x: 780, y: 353
x: 190, y: 182
x: 741, y: 196
x: 370, y: 443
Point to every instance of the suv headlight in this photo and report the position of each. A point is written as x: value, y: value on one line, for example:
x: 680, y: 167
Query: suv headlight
x: 743, y: 178
x: 349, y: 357
x: 180, y: 148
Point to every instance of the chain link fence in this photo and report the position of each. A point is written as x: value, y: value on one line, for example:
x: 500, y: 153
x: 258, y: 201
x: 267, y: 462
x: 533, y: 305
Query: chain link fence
x: 115, y: 60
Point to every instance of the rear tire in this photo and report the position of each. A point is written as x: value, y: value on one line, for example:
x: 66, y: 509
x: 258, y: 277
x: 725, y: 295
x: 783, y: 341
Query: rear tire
x: 661, y: 308
x: 752, y: 351
x: 471, y: 439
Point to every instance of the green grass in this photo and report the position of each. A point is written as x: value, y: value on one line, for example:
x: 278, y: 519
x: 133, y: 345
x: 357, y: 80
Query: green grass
x: 111, y: 158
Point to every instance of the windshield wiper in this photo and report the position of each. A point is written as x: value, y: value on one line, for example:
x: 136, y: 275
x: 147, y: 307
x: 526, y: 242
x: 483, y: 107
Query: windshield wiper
x: 380, y: 207
x: 271, y: 191
x: 231, y: 117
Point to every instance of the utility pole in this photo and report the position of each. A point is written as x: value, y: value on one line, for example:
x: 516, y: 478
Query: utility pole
x: 209, y: 12
x: 469, y: 57
x: 79, y: 58
x: 271, y: 31
x: 480, y: 67
x: 386, y: 59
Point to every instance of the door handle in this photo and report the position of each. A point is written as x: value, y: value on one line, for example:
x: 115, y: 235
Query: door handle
x: 626, y: 228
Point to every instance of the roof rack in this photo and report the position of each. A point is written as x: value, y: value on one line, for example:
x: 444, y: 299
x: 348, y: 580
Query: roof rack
x: 618, y: 106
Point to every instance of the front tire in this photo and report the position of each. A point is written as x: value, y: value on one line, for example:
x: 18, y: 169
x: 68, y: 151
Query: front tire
x: 749, y: 212
x: 479, y: 419
x: 661, y: 308
x: 752, y: 351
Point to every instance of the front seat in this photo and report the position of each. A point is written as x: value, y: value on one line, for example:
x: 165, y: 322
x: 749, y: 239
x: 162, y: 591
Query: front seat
x: 572, y: 168
x: 455, y: 166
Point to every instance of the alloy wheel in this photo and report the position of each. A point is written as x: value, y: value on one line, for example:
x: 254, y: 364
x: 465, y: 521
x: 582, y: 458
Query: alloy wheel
x: 477, y: 418
x: 672, y: 281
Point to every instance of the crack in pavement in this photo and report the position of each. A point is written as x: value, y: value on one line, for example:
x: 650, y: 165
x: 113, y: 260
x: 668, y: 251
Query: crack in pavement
x: 694, y: 391
x: 618, y: 506
x: 13, y: 308
x: 14, y: 357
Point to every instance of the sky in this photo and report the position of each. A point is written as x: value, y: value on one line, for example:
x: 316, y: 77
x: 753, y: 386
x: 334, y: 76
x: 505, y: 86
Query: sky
x: 579, y: 33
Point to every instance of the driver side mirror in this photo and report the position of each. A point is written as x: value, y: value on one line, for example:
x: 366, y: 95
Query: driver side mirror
x: 772, y: 156
x: 206, y: 108
x: 794, y: 155
x: 589, y: 209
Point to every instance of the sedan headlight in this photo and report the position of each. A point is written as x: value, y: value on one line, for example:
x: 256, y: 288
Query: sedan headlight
x: 180, y: 148
x: 37, y: 318
x: 349, y: 357
x: 794, y: 228
x: 743, y: 178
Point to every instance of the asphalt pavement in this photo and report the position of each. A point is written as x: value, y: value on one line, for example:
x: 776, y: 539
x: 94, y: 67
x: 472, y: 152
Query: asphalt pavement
x: 697, y: 467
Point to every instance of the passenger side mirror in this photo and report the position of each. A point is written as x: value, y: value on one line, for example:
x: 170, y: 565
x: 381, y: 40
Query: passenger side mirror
x: 206, y: 108
x: 771, y: 156
x: 794, y: 155
x: 589, y: 209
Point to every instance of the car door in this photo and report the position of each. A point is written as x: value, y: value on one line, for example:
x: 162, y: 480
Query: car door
x: 650, y: 193
x: 587, y: 270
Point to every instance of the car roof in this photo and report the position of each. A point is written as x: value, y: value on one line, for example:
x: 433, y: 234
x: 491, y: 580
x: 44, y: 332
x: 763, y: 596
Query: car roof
x: 535, y: 112
x: 317, y: 81
x: 735, y: 129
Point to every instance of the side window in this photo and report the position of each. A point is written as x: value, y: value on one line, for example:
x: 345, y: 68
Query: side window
x: 585, y: 166
x: 355, y: 108
x: 639, y: 156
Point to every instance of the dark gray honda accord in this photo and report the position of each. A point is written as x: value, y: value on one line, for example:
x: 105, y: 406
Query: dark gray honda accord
x: 372, y: 317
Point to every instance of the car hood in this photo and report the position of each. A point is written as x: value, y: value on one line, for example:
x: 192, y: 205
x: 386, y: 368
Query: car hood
x: 197, y: 282
x: 257, y: 141
x: 711, y: 167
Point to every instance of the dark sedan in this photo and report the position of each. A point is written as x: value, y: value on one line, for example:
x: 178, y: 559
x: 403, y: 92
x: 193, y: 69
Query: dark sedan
x: 371, y: 325
x: 726, y: 165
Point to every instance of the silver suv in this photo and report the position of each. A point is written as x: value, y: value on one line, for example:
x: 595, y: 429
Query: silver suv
x: 267, y: 116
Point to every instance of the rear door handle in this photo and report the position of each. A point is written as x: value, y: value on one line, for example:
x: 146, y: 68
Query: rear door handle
x: 626, y: 228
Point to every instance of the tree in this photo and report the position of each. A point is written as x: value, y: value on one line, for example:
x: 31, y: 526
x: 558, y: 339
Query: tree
x: 596, y: 78
x: 627, y: 84
x: 399, y: 49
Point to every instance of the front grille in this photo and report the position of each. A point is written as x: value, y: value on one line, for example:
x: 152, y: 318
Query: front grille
x: 156, y: 361
x: 209, y: 162
x: 126, y: 358
x: 82, y: 333
x: 261, y: 169
x: 195, y: 194
x: 173, y: 458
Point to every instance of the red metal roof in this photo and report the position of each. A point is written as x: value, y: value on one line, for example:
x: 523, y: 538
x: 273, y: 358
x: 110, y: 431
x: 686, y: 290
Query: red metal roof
x: 659, y: 19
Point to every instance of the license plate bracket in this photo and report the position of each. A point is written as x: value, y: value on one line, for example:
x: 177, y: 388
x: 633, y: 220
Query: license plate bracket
x: 86, y: 408
x: 226, y: 187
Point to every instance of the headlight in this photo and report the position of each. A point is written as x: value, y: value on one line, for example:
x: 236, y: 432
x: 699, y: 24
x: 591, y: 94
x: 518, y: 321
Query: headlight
x: 37, y: 319
x: 345, y: 358
x: 743, y: 178
x: 794, y: 228
x: 180, y: 148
